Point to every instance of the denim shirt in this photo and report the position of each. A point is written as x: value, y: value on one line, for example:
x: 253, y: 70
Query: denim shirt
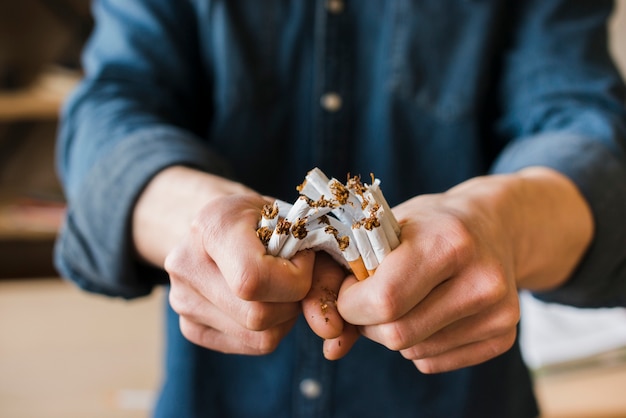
x: 423, y: 93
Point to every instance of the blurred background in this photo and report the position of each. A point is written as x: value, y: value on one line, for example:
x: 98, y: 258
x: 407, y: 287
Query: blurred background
x: 65, y: 353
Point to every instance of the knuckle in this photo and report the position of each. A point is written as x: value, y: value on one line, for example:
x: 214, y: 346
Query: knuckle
x: 409, y: 354
x: 490, y: 293
x: 267, y: 342
x: 414, y: 353
x: 426, y: 366
x: 501, y: 345
x: 458, y: 243
x: 509, y: 317
x: 510, y: 339
x: 173, y: 262
x: 177, y: 302
x: 394, y: 336
x: 490, y: 288
x: 190, y: 331
x: 386, y: 304
x: 245, y: 285
x: 256, y: 317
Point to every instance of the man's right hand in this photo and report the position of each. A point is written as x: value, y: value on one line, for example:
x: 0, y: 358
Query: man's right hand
x: 230, y: 295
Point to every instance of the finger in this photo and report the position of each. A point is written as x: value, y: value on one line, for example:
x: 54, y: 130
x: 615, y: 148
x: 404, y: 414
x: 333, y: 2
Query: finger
x: 197, y: 285
x: 320, y: 304
x: 457, y: 298
x: 209, y: 326
x: 336, y: 348
x: 467, y: 355
x: 242, y: 342
x: 404, y: 278
x: 229, y: 237
x: 492, y: 324
x: 255, y: 316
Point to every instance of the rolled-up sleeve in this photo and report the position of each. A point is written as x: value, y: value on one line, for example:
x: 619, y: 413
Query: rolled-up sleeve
x: 564, y: 102
x: 133, y: 115
x: 94, y: 247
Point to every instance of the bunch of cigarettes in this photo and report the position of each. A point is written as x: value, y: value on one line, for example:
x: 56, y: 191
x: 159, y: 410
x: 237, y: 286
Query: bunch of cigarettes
x: 352, y: 222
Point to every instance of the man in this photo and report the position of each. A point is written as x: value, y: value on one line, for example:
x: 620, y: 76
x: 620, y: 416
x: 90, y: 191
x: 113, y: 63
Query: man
x: 497, y: 128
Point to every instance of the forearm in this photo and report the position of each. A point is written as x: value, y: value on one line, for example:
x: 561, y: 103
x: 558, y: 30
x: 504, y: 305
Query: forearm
x: 556, y: 227
x: 166, y: 207
x: 544, y: 218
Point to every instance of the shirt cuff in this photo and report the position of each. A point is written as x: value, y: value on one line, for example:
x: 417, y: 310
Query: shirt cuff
x: 94, y: 247
x: 600, y: 174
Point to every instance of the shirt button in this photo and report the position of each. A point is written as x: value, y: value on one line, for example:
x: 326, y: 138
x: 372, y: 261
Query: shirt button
x: 334, y: 6
x: 331, y: 102
x: 310, y: 388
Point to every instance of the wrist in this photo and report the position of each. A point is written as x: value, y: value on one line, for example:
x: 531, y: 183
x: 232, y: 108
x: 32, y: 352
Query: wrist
x: 553, y: 229
x: 541, y: 223
x: 166, y: 207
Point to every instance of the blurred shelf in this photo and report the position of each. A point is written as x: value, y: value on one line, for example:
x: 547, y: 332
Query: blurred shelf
x: 29, y: 223
x: 28, y: 228
x: 29, y: 218
x: 40, y: 101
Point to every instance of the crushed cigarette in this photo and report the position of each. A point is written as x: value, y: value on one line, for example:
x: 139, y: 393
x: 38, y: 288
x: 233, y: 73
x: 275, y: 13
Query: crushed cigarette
x: 352, y: 222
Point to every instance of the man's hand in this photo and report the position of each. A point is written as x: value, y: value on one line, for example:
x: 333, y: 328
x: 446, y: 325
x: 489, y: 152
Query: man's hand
x: 230, y: 295
x: 447, y: 297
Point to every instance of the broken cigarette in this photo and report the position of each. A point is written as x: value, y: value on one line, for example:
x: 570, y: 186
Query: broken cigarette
x: 376, y: 234
x: 365, y: 248
x: 347, y: 244
x: 352, y: 222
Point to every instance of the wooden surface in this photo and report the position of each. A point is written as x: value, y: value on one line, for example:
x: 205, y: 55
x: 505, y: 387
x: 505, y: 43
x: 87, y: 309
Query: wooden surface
x: 68, y: 354
x: 594, y: 392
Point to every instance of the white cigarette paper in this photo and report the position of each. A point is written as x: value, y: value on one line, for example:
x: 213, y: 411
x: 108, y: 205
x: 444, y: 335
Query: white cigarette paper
x: 269, y: 216
x: 377, y: 237
x: 352, y: 222
x: 279, y: 236
x: 377, y: 195
x: 365, y: 248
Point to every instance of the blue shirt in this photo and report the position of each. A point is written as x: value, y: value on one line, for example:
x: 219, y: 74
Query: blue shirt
x: 423, y: 93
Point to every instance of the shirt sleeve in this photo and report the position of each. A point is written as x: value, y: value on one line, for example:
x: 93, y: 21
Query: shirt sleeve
x: 136, y: 112
x: 564, y: 102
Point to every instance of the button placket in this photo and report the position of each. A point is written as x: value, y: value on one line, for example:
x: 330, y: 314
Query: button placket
x: 335, y: 6
x: 331, y: 146
x: 312, y: 377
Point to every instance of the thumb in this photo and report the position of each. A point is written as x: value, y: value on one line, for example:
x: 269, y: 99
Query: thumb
x: 320, y: 308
